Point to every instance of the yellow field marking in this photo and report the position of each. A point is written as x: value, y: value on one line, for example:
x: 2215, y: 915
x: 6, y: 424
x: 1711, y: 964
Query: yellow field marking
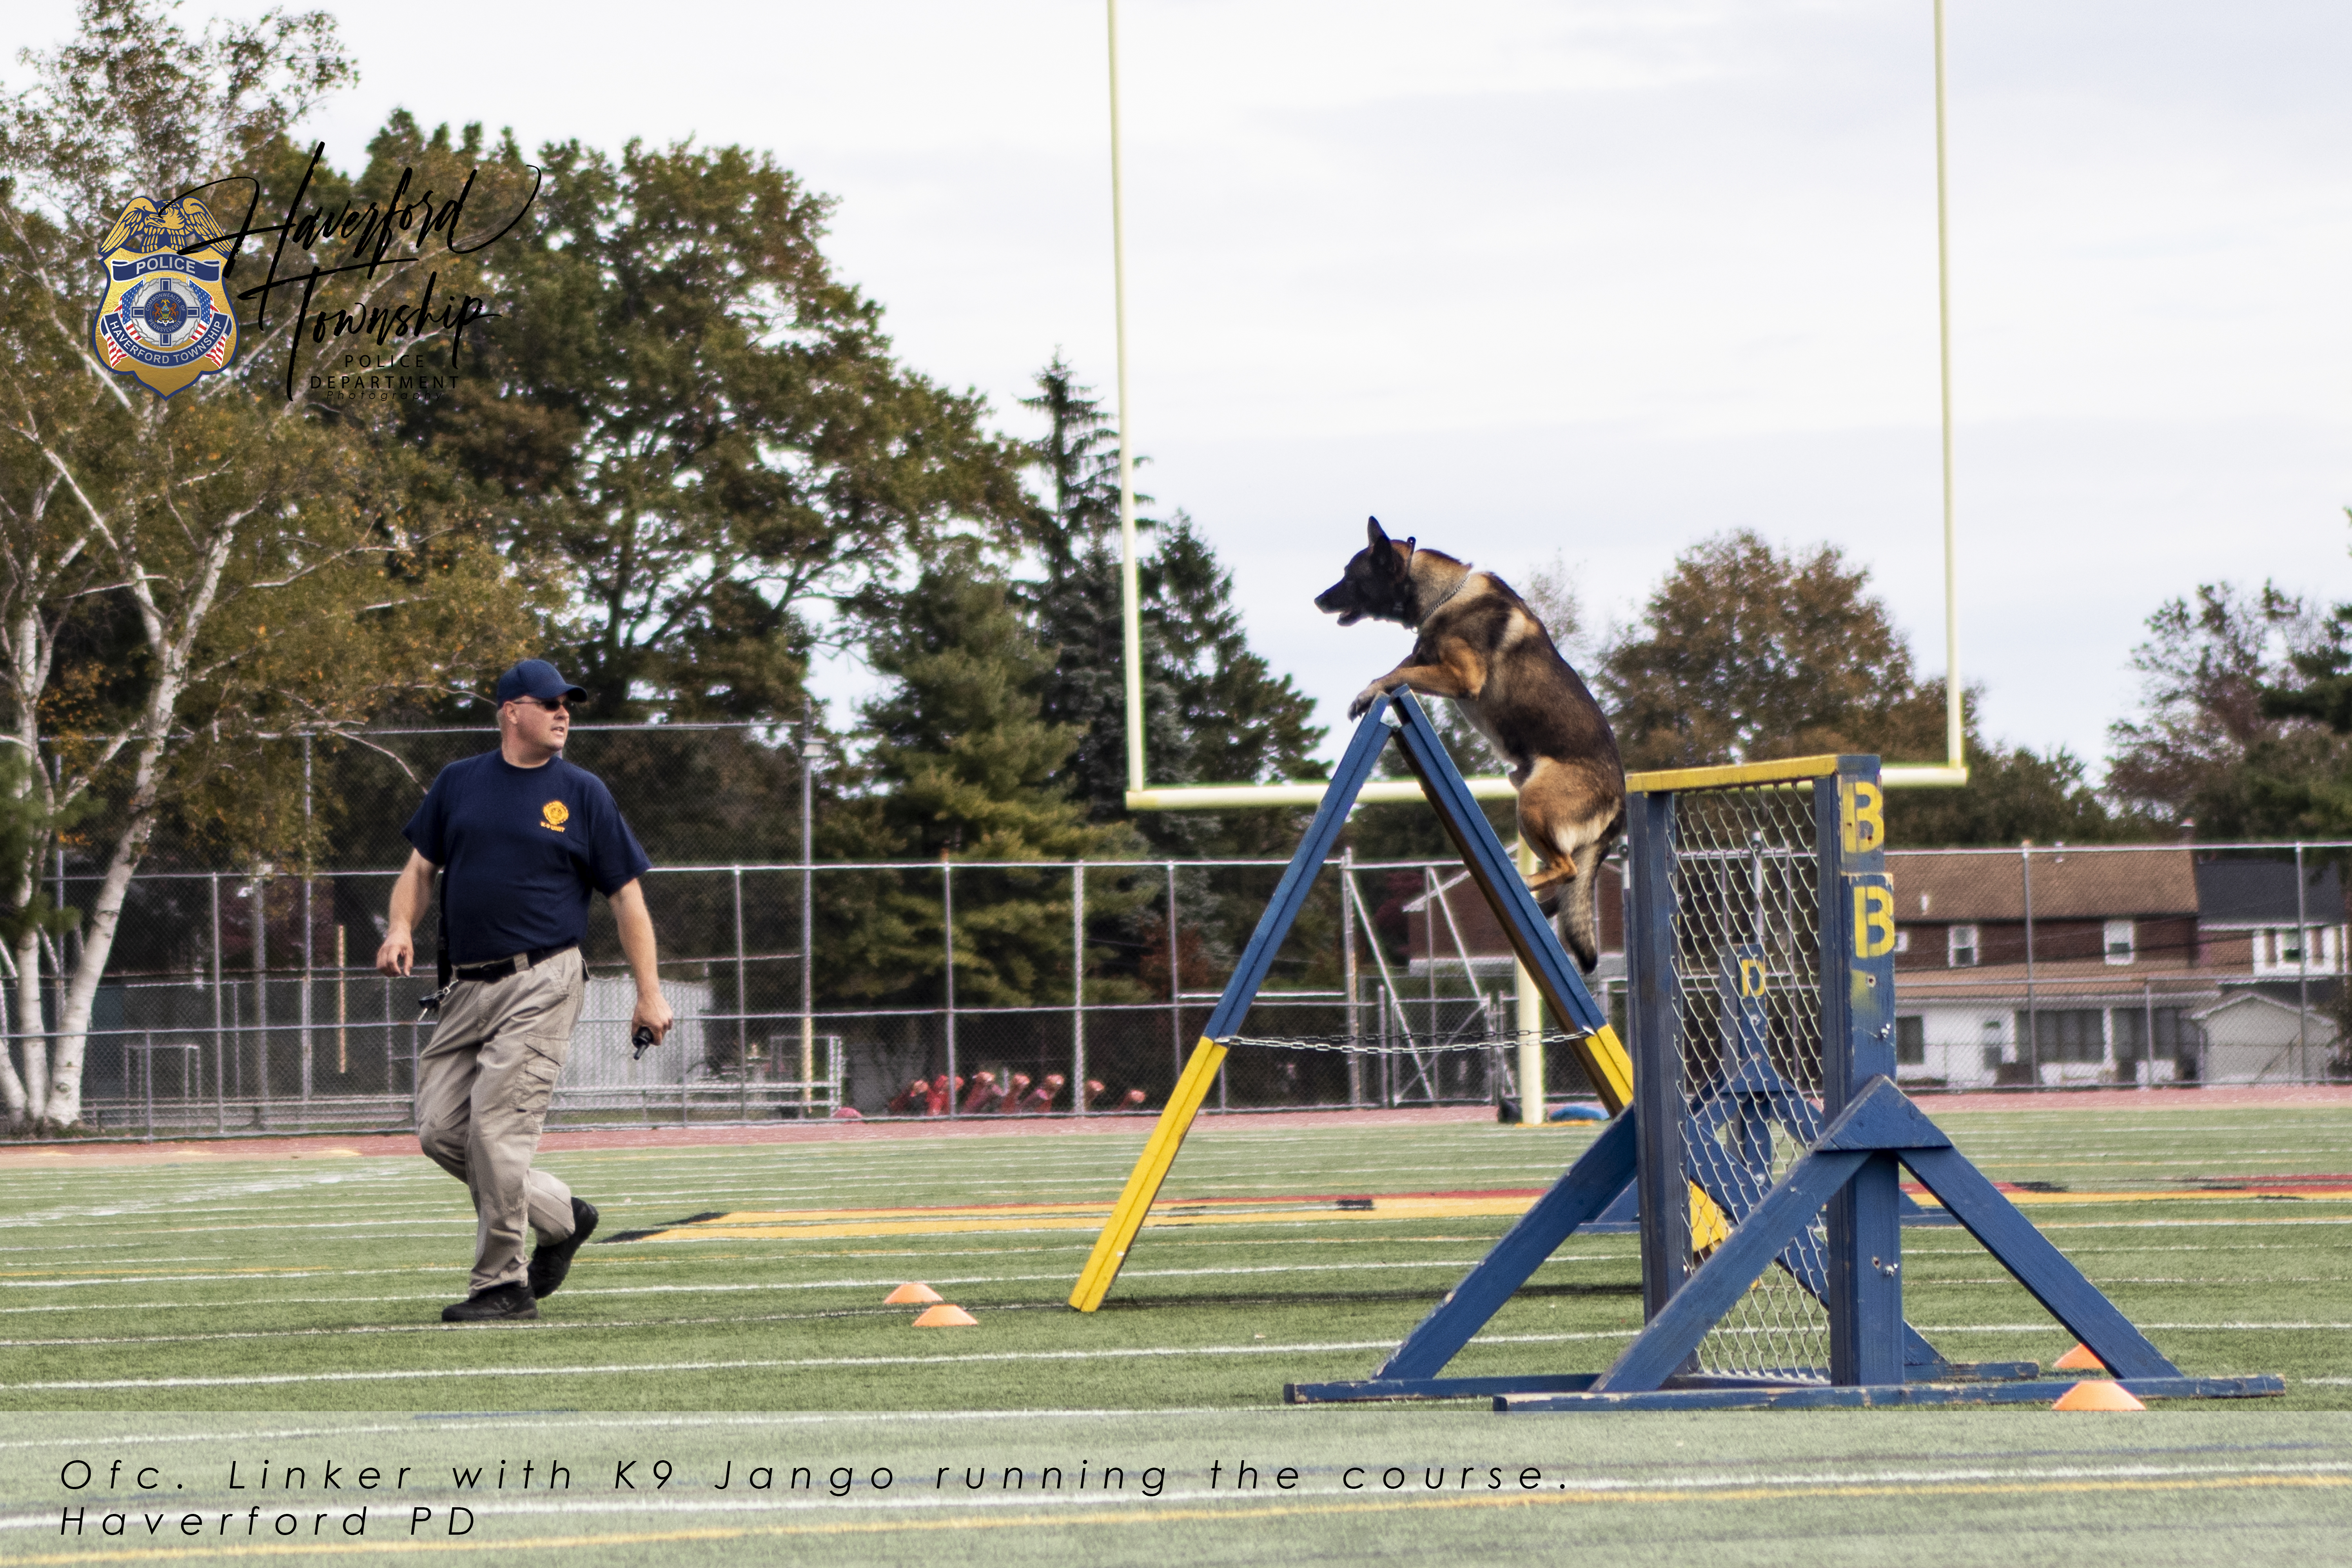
x: 1176, y: 1217
x: 161, y: 1271
x: 1142, y: 1513
x: 2166, y: 1195
x: 1708, y: 1224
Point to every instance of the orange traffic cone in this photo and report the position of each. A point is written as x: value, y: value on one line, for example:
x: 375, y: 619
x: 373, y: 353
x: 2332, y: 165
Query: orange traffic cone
x: 2097, y: 1396
x: 944, y: 1316
x: 2079, y: 1359
x: 912, y: 1293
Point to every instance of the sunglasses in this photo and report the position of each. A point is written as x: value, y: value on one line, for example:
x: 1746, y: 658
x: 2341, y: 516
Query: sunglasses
x: 561, y: 705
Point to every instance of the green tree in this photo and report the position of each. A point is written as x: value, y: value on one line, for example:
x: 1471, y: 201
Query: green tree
x: 967, y: 768
x: 2013, y: 794
x: 1214, y: 711
x: 695, y: 431
x: 2318, y: 683
x: 2206, y: 748
x: 180, y: 576
x: 1745, y: 654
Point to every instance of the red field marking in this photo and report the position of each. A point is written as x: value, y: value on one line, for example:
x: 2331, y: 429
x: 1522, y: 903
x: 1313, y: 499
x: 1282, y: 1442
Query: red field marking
x: 34, y: 1156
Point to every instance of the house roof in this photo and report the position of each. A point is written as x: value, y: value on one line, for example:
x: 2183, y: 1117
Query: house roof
x: 2068, y: 884
x: 2262, y: 893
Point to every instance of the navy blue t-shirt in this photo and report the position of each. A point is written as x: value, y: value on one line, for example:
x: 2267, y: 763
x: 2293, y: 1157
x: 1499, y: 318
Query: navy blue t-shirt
x: 520, y: 849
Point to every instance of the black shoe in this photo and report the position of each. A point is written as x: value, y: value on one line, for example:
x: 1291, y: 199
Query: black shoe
x: 552, y: 1261
x: 509, y: 1302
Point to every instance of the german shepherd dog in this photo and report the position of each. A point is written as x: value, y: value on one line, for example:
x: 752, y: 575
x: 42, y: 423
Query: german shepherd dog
x: 1480, y: 645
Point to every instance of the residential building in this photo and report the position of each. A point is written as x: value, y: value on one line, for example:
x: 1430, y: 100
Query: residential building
x: 2112, y: 965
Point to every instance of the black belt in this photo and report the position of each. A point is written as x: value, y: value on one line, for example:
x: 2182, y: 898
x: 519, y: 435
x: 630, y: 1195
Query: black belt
x: 506, y: 966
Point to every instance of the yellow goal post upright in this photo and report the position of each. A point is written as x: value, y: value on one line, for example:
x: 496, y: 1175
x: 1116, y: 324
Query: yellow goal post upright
x: 1496, y: 877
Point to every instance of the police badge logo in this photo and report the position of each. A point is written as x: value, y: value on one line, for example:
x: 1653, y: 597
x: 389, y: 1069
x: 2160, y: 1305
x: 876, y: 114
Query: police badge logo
x: 166, y: 320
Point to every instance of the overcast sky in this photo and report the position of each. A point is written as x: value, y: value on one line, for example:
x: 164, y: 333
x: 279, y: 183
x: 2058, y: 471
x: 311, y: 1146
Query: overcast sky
x: 1589, y: 280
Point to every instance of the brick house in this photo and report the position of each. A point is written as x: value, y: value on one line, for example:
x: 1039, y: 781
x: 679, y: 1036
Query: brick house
x: 2148, y: 964
x: 2133, y: 951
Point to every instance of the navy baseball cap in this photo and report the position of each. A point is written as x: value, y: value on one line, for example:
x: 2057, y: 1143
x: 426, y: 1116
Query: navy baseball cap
x: 537, y: 677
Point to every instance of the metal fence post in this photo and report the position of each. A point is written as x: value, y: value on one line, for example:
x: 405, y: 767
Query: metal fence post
x: 303, y: 994
x: 812, y: 752
x: 2301, y: 974
x: 261, y: 995
x: 1348, y: 970
x: 1175, y: 977
x: 220, y: 1039
x: 2032, y: 1019
x: 1077, y: 988
x: 742, y: 1022
x: 947, y: 925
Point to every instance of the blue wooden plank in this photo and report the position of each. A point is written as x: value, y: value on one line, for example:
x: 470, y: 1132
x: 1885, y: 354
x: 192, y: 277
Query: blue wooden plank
x: 1491, y: 869
x: 1824, y: 1396
x: 1863, y: 1230
x: 1654, y: 1005
x: 2041, y: 1268
x: 1599, y: 1174
x: 1675, y: 1332
x: 1298, y: 877
x: 1884, y: 1119
x: 1435, y: 1388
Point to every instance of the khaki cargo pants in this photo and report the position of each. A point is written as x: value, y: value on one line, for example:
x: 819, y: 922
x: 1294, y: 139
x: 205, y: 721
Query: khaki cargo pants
x: 482, y: 1088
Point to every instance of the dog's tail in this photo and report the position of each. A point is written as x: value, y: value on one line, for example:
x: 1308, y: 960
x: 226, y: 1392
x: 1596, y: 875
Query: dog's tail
x: 1578, y: 914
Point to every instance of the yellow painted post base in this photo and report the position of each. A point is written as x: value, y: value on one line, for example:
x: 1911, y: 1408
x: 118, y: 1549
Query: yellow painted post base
x: 1143, y: 1182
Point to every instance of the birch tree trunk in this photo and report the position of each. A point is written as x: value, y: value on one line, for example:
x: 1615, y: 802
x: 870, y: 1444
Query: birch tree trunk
x: 173, y: 642
x: 26, y: 1018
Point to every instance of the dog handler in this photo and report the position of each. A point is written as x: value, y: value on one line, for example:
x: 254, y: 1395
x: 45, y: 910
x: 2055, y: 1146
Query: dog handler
x: 524, y: 837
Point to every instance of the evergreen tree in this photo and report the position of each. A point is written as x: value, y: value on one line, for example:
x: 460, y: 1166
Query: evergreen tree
x: 1213, y: 710
x: 967, y: 767
x: 2013, y: 794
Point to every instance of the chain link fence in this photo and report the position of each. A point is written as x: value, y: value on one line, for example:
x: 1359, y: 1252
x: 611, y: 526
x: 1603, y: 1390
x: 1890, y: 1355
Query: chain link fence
x: 243, y: 1004
x: 244, y: 1001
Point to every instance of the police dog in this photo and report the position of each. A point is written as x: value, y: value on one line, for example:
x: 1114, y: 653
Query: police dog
x: 1480, y: 645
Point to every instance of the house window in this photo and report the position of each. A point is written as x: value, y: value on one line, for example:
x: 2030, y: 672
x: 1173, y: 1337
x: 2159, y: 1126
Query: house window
x: 2120, y: 943
x: 1902, y: 939
x: 2175, y: 1033
x: 2281, y: 950
x: 1911, y: 1041
x: 1960, y: 947
x: 2062, y: 1035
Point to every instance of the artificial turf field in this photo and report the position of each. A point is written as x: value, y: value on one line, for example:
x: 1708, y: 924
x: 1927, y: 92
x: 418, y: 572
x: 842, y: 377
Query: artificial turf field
x: 180, y: 1315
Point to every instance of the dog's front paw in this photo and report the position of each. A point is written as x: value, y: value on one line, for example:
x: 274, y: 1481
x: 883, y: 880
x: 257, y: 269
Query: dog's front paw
x: 1364, y: 701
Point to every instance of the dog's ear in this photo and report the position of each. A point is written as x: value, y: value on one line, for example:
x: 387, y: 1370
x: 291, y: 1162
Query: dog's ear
x: 1373, y: 530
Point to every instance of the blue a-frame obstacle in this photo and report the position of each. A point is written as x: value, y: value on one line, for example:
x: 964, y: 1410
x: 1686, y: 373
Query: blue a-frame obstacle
x: 1668, y: 1144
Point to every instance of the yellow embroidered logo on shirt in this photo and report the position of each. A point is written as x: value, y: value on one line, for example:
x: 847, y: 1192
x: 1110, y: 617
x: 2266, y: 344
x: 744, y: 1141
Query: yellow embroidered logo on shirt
x: 554, y: 815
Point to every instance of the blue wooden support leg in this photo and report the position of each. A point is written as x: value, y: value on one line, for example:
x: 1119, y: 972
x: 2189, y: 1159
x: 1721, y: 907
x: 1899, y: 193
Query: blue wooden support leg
x: 1591, y: 1184
x: 2041, y: 1268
